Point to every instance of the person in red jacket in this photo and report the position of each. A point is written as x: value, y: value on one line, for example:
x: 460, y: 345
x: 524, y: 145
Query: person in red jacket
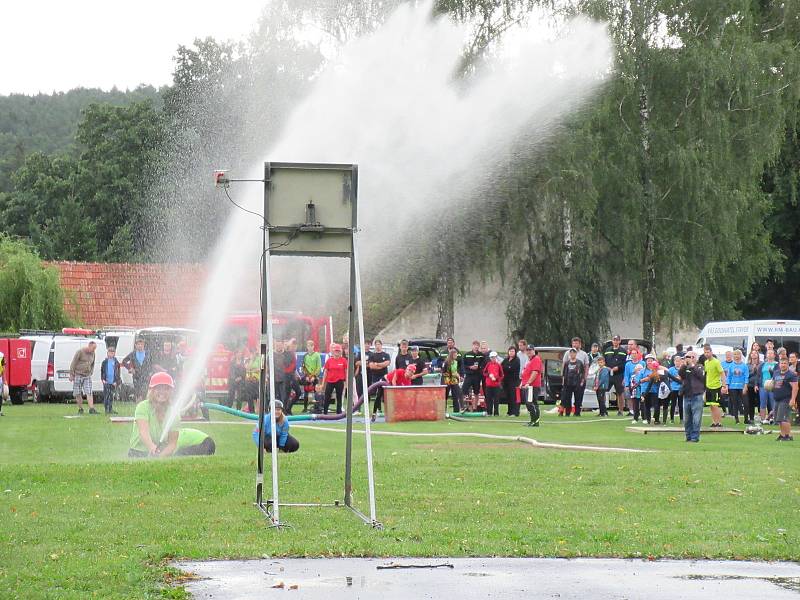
x: 396, y: 377
x: 334, y: 379
x: 492, y: 381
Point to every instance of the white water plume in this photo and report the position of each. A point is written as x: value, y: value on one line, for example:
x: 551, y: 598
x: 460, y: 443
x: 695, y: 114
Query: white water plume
x: 392, y: 102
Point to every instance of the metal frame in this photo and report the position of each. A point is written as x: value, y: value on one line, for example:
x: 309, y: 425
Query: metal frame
x: 271, y: 507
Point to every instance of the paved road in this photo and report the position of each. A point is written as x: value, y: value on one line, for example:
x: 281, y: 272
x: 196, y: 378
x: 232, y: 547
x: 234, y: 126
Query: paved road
x: 496, y: 578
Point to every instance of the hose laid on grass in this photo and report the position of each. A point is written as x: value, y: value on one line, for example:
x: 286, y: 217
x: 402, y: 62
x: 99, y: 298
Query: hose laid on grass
x: 506, y: 438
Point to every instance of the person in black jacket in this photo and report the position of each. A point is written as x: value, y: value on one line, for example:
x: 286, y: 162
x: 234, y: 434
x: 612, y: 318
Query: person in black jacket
x: 109, y: 373
x: 510, y: 366
x: 140, y: 366
x: 472, y: 363
x: 693, y: 381
x: 615, y: 356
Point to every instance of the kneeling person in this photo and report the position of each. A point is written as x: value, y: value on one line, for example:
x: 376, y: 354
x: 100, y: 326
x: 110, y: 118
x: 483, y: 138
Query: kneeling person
x: 193, y: 442
x: 285, y: 442
x: 150, y: 419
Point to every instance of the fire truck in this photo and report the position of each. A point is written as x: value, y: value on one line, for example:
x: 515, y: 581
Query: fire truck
x: 242, y: 332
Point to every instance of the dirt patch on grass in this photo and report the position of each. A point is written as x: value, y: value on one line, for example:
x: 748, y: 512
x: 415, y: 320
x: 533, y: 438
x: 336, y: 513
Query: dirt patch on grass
x: 471, y: 445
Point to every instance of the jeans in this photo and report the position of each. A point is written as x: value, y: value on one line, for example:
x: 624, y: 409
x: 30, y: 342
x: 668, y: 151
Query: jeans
x: 765, y: 399
x: 693, y: 416
x: 108, y: 396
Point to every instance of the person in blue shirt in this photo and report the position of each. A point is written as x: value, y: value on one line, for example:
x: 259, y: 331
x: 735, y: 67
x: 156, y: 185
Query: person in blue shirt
x: 675, y: 386
x: 737, y: 375
x: 285, y: 442
x: 602, y: 382
x: 726, y: 366
x: 633, y: 391
x: 109, y: 373
x: 634, y: 359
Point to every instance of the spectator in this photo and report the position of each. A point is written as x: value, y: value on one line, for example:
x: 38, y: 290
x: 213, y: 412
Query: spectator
x: 751, y: 390
x: 334, y: 379
x: 675, y: 393
x: 785, y: 393
x: 511, y: 376
x: 727, y: 364
x: 378, y: 362
x: 634, y: 359
x: 420, y: 367
x: 573, y: 378
x: 167, y: 361
x: 594, y: 354
x: 583, y: 358
x: 281, y: 360
x: 403, y: 358
x: 616, y: 357
x: 649, y: 381
x: 492, y: 382
x: 139, y: 366
x: 715, y: 385
x: 602, y: 383
x: 472, y: 364
x: 236, y: 380
x: 292, y: 384
x: 736, y: 375
x: 109, y: 373
x: 253, y: 365
x: 311, y: 367
x: 693, y: 379
x: 80, y: 374
x: 283, y: 440
x: 451, y: 378
x: 635, y: 390
x: 522, y: 355
x: 451, y: 345
x: 531, y: 383
x: 766, y: 399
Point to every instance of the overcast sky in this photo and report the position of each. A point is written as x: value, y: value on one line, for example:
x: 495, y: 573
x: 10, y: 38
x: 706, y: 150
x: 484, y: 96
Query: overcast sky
x: 56, y: 45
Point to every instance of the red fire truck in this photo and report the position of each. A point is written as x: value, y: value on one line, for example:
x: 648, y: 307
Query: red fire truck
x: 243, y: 332
x: 17, y: 372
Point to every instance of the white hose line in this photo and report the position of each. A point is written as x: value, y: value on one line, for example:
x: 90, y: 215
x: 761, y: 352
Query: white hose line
x: 487, y: 436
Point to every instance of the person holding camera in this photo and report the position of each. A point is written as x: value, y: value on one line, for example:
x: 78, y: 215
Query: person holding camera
x: 693, y: 379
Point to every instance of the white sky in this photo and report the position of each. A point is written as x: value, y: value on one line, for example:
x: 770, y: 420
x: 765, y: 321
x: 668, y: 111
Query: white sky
x: 56, y: 45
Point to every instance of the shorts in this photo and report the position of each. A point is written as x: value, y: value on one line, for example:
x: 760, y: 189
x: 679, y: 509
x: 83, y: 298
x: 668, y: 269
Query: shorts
x: 82, y: 386
x: 783, y: 412
x: 712, y: 397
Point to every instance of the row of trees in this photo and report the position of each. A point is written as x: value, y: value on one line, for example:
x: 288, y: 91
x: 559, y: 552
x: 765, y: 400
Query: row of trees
x: 675, y: 190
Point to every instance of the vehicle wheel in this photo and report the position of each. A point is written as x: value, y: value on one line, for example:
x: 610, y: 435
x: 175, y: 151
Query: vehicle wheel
x: 17, y: 395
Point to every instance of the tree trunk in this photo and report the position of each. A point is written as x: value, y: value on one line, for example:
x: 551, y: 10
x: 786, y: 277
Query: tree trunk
x: 445, y: 306
x: 640, y: 21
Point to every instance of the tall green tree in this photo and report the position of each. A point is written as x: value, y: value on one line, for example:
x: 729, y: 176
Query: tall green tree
x: 31, y: 296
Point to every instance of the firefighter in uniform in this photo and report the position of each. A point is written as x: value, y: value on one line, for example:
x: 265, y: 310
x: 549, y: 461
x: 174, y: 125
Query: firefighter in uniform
x: 472, y: 365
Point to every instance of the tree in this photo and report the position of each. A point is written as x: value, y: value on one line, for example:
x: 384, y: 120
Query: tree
x: 30, y: 293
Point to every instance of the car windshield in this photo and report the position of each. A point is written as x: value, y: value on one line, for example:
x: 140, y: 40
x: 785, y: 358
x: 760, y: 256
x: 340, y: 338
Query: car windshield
x: 790, y: 342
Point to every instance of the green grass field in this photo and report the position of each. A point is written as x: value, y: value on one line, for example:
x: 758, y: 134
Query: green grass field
x: 80, y: 520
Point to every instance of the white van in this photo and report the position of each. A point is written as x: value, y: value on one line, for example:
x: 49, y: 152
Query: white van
x: 64, y: 350
x: 742, y: 334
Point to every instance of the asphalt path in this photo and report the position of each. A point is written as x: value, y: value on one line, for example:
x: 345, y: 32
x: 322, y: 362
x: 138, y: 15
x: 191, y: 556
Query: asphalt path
x: 497, y: 578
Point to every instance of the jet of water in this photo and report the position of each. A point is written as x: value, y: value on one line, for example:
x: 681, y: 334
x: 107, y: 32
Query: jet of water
x: 392, y: 102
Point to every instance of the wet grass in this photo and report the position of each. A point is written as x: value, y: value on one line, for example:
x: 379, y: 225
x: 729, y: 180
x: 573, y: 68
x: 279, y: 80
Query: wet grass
x: 79, y: 520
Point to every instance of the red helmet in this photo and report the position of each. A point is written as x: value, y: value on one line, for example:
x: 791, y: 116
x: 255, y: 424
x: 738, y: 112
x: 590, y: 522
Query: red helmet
x: 161, y: 378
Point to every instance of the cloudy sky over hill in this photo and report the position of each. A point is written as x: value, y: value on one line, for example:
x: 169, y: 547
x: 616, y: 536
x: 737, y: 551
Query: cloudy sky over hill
x: 51, y: 45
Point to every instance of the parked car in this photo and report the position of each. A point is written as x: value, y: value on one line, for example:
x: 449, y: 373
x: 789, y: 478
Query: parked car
x: 64, y: 349
x: 552, y: 357
x: 41, y: 345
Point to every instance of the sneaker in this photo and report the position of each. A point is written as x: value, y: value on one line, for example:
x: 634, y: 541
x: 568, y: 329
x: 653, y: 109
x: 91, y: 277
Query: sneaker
x: 619, y: 413
x: 80, y: 411
x: 635, y: 420
x: 787, y: 438
x: 92, y: 411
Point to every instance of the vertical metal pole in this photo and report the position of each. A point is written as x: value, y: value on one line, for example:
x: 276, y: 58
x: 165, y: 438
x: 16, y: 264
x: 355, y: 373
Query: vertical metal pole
x: 266, y: 352
x: 348, y: 455
x: 367, y: 417
x: 262, y: 348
